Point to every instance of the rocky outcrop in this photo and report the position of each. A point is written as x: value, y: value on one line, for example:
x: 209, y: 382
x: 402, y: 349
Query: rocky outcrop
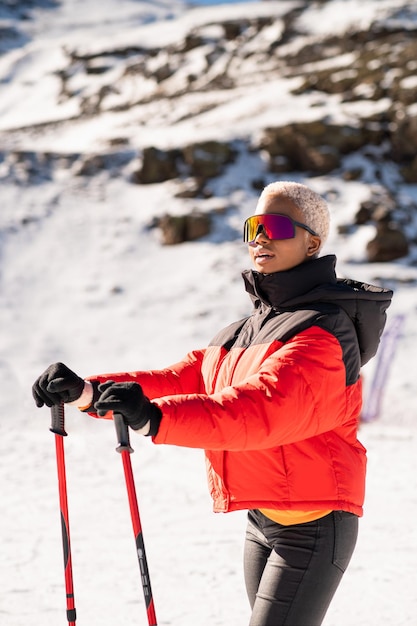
x: 201, y: 160
x: 214, y: 63
x: 318, y: 146
x: 390, y: 241
x: 180, y: 228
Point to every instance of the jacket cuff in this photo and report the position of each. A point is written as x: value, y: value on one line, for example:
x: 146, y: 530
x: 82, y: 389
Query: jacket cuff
x: 154, y: 421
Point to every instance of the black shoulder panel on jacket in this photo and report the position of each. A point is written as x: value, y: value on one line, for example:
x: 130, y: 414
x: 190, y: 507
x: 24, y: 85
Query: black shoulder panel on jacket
x: 329, y: 317
x: 268, y: 326
x: 227, y: 337
x: 339, y: 324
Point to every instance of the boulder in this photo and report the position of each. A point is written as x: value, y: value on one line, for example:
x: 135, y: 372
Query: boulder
x: 207, y: 159
x: 389, y: 243
x: 177, y: 229
x: 157, y: 166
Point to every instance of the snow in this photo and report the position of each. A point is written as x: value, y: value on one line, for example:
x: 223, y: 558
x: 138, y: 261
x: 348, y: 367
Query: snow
x: 326, y: 20
x: 85, y: 281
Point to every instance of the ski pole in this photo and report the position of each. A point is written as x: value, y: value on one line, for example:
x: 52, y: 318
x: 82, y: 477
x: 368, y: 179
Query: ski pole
x: 125, y: 450
x: 58, y: 427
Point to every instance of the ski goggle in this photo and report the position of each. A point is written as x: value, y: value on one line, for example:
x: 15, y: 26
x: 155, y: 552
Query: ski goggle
x: 274, y: 225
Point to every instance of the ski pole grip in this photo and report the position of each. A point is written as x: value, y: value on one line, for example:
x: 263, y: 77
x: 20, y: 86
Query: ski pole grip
x: 58, y: 419
x: 122, y: 431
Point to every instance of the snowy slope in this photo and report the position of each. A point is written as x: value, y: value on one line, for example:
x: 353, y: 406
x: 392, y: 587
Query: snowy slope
x: 84, y: 280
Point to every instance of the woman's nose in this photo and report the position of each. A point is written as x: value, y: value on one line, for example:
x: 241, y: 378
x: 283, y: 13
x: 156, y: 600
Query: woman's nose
x: 260, y: 233
x: 259, y: 237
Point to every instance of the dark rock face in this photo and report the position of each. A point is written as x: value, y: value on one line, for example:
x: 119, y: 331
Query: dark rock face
x: 214, y: 63
x: 388, y: 244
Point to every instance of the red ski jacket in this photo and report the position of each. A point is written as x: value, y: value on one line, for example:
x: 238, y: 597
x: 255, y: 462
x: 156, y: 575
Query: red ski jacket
x: 275, y: 398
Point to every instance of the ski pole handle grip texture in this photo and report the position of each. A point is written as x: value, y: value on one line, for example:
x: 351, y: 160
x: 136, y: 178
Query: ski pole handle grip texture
x: 122, y: 431
x: 58, y: 419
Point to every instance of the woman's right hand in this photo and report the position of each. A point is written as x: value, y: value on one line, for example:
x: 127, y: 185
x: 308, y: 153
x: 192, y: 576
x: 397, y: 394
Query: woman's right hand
x: 57, y: 384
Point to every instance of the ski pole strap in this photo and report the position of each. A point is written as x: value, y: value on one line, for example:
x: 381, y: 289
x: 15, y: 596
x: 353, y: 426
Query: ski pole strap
x: 122, y: 431
x: 58, y: 419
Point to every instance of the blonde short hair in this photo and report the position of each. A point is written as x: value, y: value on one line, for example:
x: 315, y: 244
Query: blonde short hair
x: 313, y: 207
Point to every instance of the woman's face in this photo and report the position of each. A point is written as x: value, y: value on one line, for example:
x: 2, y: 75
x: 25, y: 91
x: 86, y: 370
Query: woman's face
x: 278, y: 255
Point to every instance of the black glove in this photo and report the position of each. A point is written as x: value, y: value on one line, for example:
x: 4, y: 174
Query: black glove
x: 129, y: 400
x: 57, y: 384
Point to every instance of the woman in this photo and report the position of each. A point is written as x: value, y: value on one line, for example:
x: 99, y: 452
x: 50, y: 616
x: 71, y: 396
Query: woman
x: 275, y: 401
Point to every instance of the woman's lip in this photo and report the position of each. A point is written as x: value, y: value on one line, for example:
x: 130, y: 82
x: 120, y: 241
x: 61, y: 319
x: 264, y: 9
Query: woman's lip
x: 263, y: 258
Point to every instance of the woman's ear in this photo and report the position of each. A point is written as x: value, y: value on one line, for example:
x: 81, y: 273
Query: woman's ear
x: 314, y: 244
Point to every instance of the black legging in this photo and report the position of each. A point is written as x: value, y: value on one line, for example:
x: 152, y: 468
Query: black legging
x: 292, y: 572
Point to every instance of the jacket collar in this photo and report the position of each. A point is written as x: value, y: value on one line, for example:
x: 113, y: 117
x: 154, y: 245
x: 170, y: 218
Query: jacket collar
x: 283, y: 289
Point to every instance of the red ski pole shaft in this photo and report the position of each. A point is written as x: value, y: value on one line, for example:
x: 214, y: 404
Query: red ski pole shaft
x: 58, y: 427
x: 125, y: 450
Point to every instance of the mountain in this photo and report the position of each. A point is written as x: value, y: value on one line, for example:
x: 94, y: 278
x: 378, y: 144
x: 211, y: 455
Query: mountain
x: 120, y: 119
